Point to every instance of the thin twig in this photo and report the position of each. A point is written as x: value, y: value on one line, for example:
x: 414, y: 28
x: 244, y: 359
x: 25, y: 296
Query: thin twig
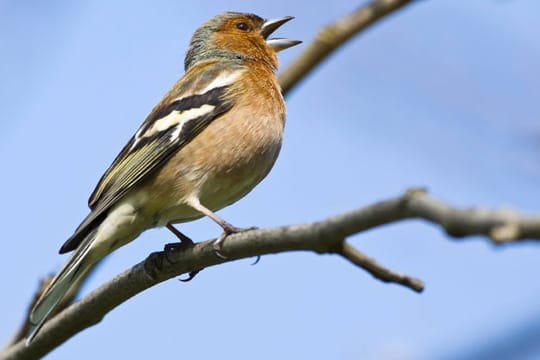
x: 378, y: 271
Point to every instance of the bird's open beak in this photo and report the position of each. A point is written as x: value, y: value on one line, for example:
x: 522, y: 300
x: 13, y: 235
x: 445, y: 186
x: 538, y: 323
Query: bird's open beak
x: 277, y: 44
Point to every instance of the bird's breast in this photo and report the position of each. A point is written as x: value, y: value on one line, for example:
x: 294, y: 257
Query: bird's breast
x: 245, y: 147
x: 223, y: 163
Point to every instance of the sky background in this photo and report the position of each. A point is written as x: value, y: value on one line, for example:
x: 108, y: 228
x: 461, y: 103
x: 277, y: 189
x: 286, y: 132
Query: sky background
x: 444, y: 94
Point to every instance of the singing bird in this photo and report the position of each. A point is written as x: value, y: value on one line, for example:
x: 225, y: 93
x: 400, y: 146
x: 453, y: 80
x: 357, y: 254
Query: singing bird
x: 213, y: 137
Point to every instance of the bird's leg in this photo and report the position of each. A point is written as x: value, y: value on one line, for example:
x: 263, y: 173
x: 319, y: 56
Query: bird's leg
x: 184, y: 243
x: 228, y: 229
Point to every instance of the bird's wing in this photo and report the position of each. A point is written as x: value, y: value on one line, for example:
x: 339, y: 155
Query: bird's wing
x: 184, y: 113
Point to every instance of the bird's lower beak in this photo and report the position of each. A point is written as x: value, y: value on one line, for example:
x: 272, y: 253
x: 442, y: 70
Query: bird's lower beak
x: 277, y: 44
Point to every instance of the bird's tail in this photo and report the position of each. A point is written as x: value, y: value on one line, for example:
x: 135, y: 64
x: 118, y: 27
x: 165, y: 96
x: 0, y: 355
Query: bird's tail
x: 75, y: 268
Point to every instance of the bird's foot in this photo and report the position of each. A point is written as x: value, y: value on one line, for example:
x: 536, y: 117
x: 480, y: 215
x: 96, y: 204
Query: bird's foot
x: 184, y: 244
x: 228, y: 229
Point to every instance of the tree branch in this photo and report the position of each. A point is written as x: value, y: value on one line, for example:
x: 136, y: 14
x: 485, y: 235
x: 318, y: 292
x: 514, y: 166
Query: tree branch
x: 327, y: 236
x: 333, y: 36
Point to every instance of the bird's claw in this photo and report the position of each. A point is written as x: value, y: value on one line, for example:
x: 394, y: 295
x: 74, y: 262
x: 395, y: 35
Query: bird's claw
x: 184, y: 244
x: 191, y: 275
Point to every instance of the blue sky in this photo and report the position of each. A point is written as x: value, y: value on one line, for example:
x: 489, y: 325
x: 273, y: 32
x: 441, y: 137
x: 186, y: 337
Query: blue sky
x: 443, y: 94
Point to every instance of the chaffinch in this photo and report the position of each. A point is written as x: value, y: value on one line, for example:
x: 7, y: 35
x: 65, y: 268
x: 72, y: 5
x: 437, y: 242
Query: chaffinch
x: 214, y: 136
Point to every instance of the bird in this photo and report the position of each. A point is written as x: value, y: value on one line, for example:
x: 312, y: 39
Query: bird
x: 211, y: 139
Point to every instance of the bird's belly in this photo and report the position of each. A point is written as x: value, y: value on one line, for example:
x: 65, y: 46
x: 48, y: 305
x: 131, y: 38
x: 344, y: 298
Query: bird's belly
x: 218, y: 190
x: 225, y: 188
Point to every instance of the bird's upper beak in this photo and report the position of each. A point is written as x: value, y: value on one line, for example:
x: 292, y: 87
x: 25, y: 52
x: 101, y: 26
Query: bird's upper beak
x: 277, y: 44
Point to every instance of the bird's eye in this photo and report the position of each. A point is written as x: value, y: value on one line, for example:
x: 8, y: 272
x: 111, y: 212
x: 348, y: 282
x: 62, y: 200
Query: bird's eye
x: 242, y: 26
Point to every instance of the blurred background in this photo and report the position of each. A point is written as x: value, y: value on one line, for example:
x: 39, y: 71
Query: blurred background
x: 443, y: 94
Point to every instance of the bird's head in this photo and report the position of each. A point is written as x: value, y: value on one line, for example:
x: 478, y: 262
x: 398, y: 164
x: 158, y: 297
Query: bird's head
x: 233, y: 35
